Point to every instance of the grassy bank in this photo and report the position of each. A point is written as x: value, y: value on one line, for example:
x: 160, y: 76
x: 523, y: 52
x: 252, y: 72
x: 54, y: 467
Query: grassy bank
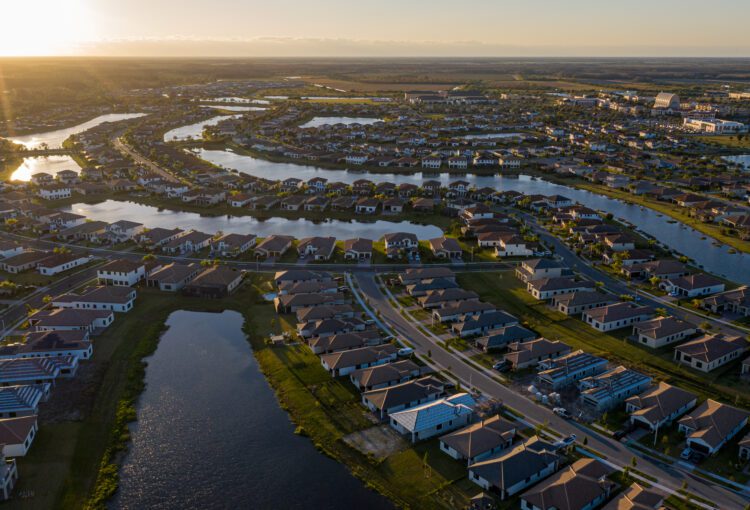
x: 507, y: 292
x: 673, y: 211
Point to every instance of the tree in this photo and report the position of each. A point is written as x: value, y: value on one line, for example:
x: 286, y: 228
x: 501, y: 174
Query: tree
x: 148, y: 257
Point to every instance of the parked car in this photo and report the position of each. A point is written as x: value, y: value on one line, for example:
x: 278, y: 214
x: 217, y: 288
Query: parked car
x: 405, y: 351
x: 565, y: 442
x: 685, y: 454
x: 562, y: 413
x: 502, y: 366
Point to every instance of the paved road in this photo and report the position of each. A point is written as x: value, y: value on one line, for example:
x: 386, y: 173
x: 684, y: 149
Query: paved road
x: 670, y: 478
x: 17, y: 312
x: 125, y: 149
x: 614, y: 285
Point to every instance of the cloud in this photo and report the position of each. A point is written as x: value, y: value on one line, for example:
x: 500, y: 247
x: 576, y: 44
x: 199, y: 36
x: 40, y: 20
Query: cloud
x: 179, y: 46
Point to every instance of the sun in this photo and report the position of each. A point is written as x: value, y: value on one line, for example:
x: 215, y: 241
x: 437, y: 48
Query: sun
x: 43, y: 27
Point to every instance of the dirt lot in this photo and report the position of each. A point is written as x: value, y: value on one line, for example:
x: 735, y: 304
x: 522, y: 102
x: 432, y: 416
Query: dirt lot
x: 379, y: 441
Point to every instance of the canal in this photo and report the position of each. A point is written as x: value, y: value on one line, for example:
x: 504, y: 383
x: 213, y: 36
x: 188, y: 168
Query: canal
x: 114, y: 210
x: 675, y: 235
x: 210, y: 433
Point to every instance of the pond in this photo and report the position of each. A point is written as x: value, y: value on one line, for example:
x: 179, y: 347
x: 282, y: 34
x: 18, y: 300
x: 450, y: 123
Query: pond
x: 316, y: 122
x: 194, y: 131
x: 685, y: 240
x: 39, y: 164
x: 210, y: 432
x: 54, y: 139
x: 113, y: 210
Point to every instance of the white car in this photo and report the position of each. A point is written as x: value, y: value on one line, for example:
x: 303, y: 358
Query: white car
x: 405, y: 351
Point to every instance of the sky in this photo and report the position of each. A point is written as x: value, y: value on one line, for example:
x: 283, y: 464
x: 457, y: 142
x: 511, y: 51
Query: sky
x: 385, y: 28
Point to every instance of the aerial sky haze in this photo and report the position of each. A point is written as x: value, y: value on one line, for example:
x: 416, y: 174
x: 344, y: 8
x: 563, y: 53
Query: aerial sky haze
x: 388, y: 28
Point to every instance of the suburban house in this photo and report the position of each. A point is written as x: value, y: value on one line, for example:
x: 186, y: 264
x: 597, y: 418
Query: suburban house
x: 24, y: 261
x: 172, y: 277
x: 662, y: 331
x: 392, y: 399
x: 8, y: 477
x: 462, y: 310
x: 214, y: 282
x: 583, y: 485
x: 319, y: 248
x: 617, y: 316
x: 358, y: 249
x: 518, y: 468
x: 636, y: 497
x: 547, y: 288
x: 50, y: 344
x: 441, y: 297
x: 536, y: 269
x: 445, y: 248
x: 733, y: 301
x: 22, y: 400
x: 324, y: 344
x: 575, y: 303
x: 607, y: 390
x: 366, y: 205
x: 158, y: 236
x: 709, y: 352
x: 189, y: 242
x: 61, y: 319
x: 512, y: 245
x: 9, y: 249
x: 121, y: 272
x: 692, y: 286
x: 103, y: 297
x: 528, y: 354
x: 124, y: 230
x: 434, y: 418
x: 382, y: 376
x: 400, y: 242
x: 274, y: 246
x: 559, y: 372
x: 417, y: 275
x: 233, y: 245
x: 500, y: 338
x: 479, y: 440
x: 299, y: 276
x: 60, y: 262
x: 483, y: 323
x: 659, y: 405
x: 16, y: 435
x: 345, y: 362
x: 710, y: 425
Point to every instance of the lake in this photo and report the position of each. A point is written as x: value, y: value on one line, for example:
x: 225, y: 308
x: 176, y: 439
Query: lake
x: 316, y: 122
x: 54, y: 139
x: 38, y: 164
x: 194, y: 131
x: 113, y: 210
x: 210, y: 432
x: 676, y: 236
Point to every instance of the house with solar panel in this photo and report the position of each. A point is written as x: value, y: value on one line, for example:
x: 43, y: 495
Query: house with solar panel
x: 434, y: 418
